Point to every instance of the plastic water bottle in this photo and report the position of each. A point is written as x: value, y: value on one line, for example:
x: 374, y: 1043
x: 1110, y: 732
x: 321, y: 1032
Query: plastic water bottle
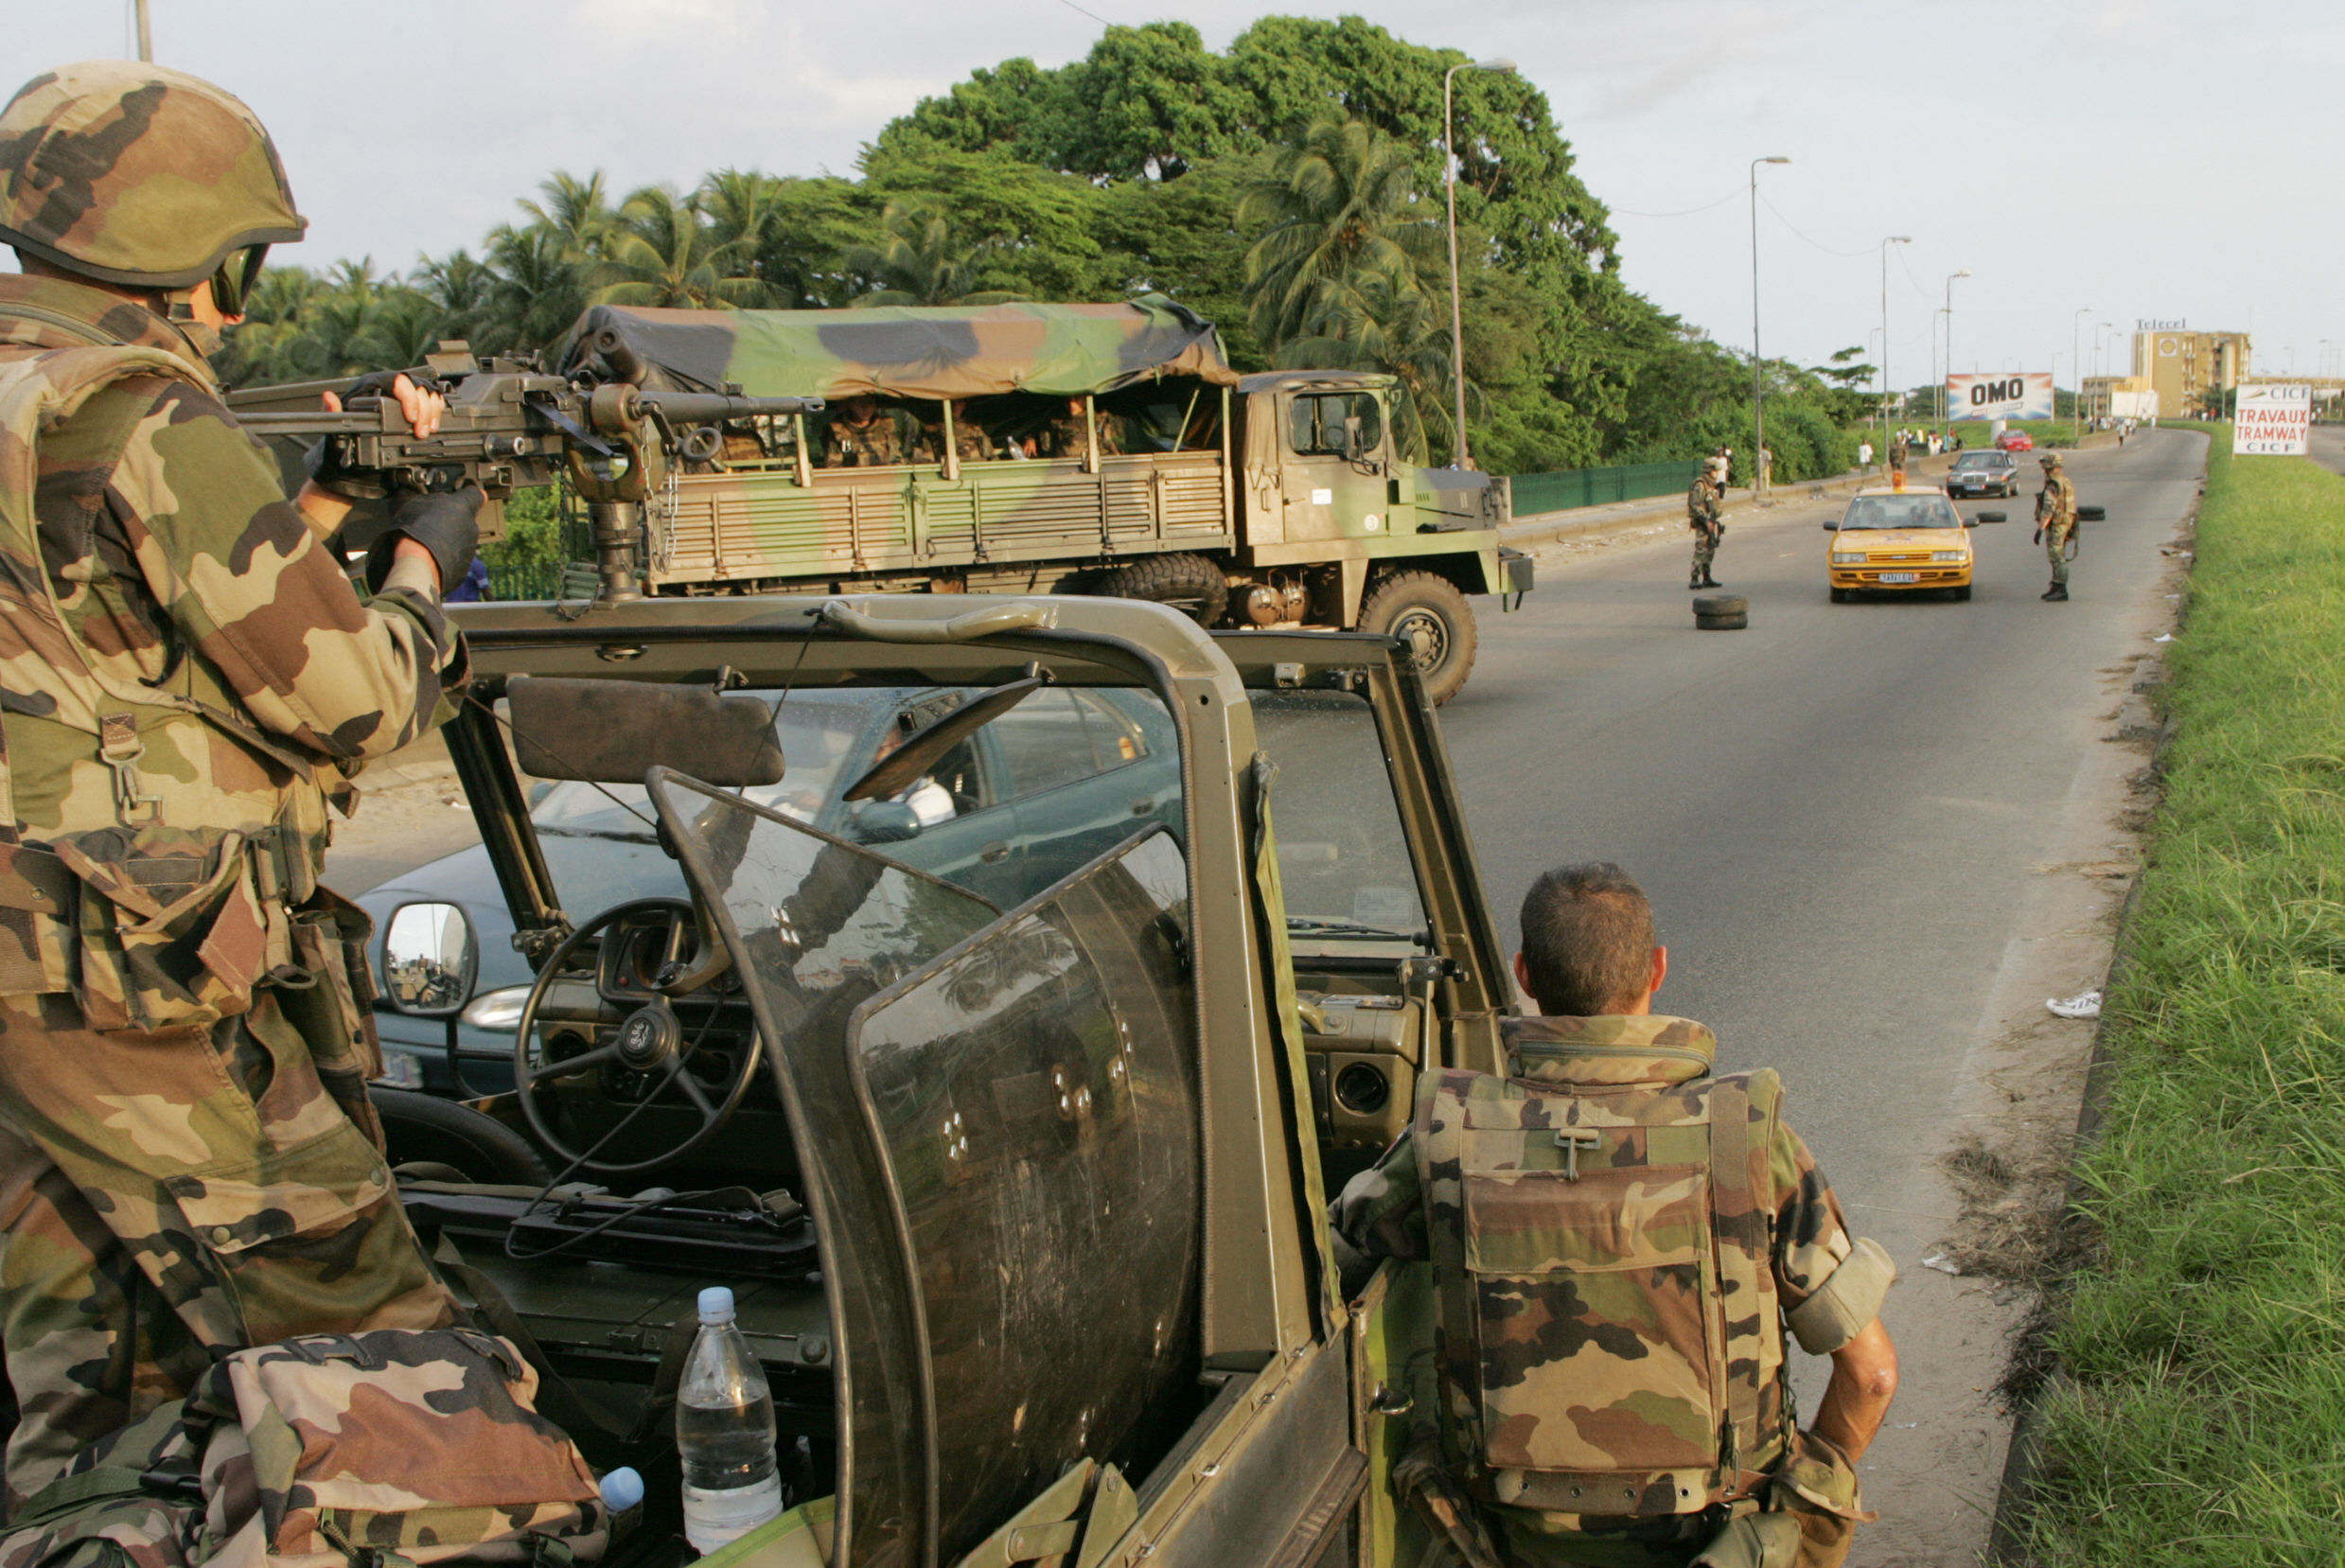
x: 724, y: 1431
x: 623, y: 1497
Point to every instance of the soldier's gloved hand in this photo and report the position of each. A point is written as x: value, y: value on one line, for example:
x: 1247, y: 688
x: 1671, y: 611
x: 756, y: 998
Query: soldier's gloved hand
x: 447, y: 523
x: 2038, y: 538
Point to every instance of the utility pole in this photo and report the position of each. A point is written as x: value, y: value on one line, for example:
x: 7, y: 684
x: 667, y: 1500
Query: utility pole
x: 2076, y: 401
x: 1945, y: 415
x: 1457, y: 314
x: 1893, y: 240
x: 146, y: 33
x: 1758, y: 364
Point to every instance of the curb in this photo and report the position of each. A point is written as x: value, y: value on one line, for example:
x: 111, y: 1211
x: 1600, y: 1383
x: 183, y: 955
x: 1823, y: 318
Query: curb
x: 2023, y: 1457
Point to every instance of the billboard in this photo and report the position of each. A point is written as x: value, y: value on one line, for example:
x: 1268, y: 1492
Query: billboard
x: 2015, y: 395
x: 2272, y: 422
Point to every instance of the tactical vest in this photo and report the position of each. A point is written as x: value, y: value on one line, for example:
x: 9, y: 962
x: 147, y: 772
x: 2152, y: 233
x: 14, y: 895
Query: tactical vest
x: 1608, y: 1331
x: 109, y: 913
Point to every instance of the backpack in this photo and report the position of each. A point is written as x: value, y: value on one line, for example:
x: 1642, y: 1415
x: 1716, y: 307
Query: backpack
x: 397, y: 1446
x: 1609, y: 1341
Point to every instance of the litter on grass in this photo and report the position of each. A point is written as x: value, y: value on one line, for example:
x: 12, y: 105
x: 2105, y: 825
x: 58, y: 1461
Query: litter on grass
x: 2085, y: 1004
x: 1942, y: 1263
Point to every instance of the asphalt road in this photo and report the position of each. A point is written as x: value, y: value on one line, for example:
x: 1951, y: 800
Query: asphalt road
x: 1874, y: 833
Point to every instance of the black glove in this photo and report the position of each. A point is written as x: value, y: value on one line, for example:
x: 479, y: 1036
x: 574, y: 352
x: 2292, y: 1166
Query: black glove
x: 447, y: 523
x: 2038, y: 538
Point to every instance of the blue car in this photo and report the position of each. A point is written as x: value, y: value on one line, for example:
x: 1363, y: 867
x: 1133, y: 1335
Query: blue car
x: 1028, y: 798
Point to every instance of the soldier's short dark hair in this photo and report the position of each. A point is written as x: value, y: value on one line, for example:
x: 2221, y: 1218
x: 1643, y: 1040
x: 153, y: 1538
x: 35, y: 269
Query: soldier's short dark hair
x: 1587, y: 940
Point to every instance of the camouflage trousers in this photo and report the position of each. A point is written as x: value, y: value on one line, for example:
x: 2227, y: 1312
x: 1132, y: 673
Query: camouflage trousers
x: 167, y: 1196
x: 1705, y: 549
x: 2056, y: 549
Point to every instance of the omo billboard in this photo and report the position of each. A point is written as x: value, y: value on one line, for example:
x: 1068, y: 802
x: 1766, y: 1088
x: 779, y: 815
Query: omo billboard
x: 2272, y: 422
x: 2016, y: 395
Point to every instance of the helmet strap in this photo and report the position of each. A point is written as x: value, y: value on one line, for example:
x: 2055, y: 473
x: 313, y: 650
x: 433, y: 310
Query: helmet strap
x: 180, y: 311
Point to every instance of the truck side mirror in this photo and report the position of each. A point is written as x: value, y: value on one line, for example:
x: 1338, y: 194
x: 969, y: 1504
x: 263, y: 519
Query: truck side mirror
x: 1352, y: 444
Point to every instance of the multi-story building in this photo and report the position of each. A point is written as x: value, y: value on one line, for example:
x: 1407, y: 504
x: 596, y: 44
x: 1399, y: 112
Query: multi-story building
x: 2182, y: 366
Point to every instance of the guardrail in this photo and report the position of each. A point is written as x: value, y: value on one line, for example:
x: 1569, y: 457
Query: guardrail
x: 1576, y: 487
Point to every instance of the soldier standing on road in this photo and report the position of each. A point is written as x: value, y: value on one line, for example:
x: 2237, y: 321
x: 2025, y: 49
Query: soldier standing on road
x: 188, y: 1162
x: 1704, y: 517
x: 1572, y: 1211
x: 1896, y: 457
x: 2056, y: 524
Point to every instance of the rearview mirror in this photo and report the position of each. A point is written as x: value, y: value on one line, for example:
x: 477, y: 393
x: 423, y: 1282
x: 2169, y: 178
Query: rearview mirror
x: 430, y: 959
x: 1993, y: 517
x: 900, y: 769
x: 613, y: 732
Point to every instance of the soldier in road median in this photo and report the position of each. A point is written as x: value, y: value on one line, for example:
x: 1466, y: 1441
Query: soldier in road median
x: 188, y: 1162
x: 1704, y: 517
x: 1598, y: 1404
x: 2056, y: 524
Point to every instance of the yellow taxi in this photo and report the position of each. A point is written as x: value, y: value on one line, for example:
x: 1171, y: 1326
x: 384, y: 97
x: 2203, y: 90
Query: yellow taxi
x: 1902, y: 540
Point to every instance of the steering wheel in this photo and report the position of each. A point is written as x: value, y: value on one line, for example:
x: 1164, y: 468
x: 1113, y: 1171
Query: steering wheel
x: 649, y: 1040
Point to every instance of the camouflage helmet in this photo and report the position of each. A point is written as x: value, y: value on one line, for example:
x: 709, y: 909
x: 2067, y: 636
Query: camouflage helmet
x: 138, y: 175
x: 2050, y: 460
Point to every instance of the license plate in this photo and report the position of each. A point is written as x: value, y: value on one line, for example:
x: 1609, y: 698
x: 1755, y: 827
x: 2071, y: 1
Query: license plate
x: 1896, y: 576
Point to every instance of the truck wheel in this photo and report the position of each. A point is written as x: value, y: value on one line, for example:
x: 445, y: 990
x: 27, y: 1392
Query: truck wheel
x: 1426, y: 611
x: 1188, y: 583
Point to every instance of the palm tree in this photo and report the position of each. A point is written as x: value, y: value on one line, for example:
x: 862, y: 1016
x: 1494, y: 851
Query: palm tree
x: 662, y: 253
x: 738, y: 203
x: 578, y: 211
x: 1335, y: 208
x: 538, y: 292
x: 463, y: 291
x: 918, y: 261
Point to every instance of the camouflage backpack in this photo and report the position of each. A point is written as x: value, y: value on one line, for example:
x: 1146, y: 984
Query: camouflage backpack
x: 329, y: 1450
x: 1609, y: 1340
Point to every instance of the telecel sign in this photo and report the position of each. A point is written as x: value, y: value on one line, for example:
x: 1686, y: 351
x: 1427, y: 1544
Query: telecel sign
x: 2019, y: 395
x: 2272, y: 422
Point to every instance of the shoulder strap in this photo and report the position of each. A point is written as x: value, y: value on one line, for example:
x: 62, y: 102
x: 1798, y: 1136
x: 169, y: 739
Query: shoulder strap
x: 70, y: 1495
x: 1742, y: 1222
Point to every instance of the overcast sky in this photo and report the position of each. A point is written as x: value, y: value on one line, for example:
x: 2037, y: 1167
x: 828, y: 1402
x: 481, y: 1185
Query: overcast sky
x: 2139, y: 157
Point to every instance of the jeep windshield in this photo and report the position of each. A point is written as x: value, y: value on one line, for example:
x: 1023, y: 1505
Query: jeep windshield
x: 1343, y: 858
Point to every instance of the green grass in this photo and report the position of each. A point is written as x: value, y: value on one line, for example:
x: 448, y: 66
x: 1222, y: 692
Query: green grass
x: 2203, y: 1419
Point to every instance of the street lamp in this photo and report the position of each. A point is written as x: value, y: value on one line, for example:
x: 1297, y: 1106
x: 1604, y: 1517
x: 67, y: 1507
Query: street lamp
x: 2077, y: 364
x: 1893, y: 240
x: 1758, y: 366
x: 1457, y: 314
x: 1946, y: 420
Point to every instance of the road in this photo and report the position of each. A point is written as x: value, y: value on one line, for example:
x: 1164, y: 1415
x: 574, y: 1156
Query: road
x: 1878, y: 836
x: 2327, y: 447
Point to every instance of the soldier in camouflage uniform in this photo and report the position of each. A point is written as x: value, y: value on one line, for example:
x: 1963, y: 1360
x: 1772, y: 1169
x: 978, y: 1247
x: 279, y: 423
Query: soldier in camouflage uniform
x: 1704, y: 517
x: 1066, y: 435
x: 2056, y: 524
x: 189, y: 1162
x: 1617, y: 1237
x: 863, y: 435
x: 970, y: 442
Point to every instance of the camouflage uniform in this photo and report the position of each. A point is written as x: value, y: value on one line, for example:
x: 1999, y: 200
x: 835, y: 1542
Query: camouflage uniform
x: 876, y: 443
x: 1897, y: 449
x: 187, y: 1160
x: 1602, y: 1311
x: 1704, y: 517
x: 2055, y: 515
x: 1063, y: 437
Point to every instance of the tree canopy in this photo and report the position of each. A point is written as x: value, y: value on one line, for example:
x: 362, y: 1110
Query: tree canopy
x: 1289, y: 188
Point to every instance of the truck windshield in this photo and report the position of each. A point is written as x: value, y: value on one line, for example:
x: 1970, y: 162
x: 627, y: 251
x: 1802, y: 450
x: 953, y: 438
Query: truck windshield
x: 1343, y: 856
x: 1317, y: 422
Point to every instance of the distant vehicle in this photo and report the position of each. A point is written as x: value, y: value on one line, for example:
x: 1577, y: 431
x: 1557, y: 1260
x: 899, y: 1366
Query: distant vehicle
x: 1903, y: 541
x: 1987, y: 473
x: 2015, y: 441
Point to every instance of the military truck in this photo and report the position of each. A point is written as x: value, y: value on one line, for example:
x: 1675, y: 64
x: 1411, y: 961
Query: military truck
x: 1122, y: 456
x: 1016, y: 1161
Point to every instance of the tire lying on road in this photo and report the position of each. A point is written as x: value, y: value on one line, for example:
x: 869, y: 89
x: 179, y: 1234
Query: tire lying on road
x: 1426, y: 611
x: 2092, y: 514
x: 1721, y: 623
x: 1722, y: 604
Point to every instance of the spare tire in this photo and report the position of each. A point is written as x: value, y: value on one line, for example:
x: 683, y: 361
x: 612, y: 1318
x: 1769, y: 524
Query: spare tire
x: 1722, y: 604
x: 1189, y: 583
x: 1735, y: 621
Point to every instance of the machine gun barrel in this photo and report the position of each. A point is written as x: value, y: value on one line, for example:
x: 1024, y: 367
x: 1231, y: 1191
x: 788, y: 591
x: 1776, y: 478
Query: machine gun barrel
x: 703, y: 408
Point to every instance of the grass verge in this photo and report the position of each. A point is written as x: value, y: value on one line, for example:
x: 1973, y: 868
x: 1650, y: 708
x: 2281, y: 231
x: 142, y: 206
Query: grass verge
x: 2202, y: 1418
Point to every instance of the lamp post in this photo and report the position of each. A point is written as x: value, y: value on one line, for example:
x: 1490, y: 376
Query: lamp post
x: 2077, y: 402
x: 1758, y: 366
x: 1945, y: 415
x: 1457, y: 313
x: 1893, y: 240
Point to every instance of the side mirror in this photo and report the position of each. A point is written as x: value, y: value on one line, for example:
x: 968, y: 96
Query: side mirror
x: 430, y: 959
x: 883, y: 822
x: 1831, y: 527
x: 1991, y: 517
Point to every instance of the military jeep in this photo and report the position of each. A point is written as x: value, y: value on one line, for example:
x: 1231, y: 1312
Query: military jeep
x: 1016, y: 1162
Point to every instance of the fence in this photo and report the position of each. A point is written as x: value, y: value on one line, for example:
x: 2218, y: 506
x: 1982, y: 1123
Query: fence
x: 1575, y: 487
x: 542, y: 580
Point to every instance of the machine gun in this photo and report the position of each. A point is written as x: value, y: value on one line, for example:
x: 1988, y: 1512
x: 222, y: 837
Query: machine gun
x: 512, y: 425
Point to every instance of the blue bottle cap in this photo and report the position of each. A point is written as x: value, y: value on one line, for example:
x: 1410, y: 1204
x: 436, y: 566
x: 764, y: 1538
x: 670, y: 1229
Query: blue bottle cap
x: 716, y: 1304
x: 621, y: 1490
